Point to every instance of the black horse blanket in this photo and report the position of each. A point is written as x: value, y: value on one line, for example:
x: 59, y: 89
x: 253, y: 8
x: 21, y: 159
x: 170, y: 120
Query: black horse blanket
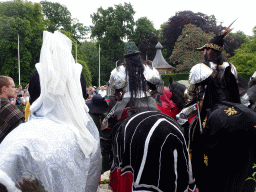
x: 150, y: 154
x: 223, y: 156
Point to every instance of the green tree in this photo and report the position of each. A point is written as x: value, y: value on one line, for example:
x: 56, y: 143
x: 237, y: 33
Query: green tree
x: 162, y: 39
x: 58, y: 17
x: 145, y: 36
x: 86, y: 72
x: 234, y: 41
x: 91, y: 56
x: 207, y: 23
x: 23, y: 19
x: 245, y: 57
x: 185, y: 53
x: 160, y: 32
x: 143, y: 30
x: 111, y: 27
x: 177, y: 22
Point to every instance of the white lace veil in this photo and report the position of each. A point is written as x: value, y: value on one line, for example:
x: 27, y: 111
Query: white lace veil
x: 61, y: 98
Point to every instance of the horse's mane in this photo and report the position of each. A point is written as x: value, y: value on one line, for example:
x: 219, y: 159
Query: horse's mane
x: 177, y: 89
x: 242, y: 85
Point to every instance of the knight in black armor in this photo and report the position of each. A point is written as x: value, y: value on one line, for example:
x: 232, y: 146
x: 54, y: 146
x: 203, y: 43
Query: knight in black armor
x: 219, y: 161
x: 215, y: 70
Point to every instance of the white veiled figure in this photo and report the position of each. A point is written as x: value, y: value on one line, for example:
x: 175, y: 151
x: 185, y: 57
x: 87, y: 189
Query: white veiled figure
x: 59, y: 145
x: 61, y: 93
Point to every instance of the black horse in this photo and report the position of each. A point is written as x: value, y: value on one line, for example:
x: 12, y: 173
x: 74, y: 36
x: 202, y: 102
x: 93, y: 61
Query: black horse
x: 150, y: 154
x: 223, y: 154
x: 226, y: 149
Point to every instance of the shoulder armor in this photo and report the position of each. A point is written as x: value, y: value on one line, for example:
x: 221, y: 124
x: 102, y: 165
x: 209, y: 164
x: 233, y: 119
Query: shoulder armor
x: 234, y: 71
x: 223, y: 67
x: 199, y: 73
x: 118, y: 78
x: 152, y: 75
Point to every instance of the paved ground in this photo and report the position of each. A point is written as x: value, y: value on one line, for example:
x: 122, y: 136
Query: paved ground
x: 105, y: 187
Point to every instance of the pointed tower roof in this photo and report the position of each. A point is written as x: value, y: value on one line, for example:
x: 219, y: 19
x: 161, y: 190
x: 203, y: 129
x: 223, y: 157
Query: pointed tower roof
x: 159, y: 61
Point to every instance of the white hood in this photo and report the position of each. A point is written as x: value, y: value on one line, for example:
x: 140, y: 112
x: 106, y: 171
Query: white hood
x: 61, y: 98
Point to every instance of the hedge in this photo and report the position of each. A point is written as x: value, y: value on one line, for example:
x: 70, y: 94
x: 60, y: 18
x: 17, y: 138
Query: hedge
x: 184, y: 76
x: 175, y: 77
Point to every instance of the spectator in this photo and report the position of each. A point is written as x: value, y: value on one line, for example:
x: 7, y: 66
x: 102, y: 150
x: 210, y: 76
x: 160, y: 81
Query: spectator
x: 27, y: 86
x: 13, y: 100
x: 17, y: 99
x: 10, y: 115
x: 92, y: 90
x: 20, y: 91
x: 25, y: 97
x: 102, y: 91
x: 97, y: 110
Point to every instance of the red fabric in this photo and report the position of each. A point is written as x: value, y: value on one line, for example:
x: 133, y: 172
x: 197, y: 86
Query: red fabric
x: 193, y: 189
x: 191, y: 118
x: 107, y: 100
x: 125, y: 112
x: 168, y: 107
x: 121, y: 182
x: 166, y: 99
x: 172, y: 113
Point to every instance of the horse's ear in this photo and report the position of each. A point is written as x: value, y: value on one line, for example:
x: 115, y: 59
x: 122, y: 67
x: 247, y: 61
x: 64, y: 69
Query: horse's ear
x: 170, y: 80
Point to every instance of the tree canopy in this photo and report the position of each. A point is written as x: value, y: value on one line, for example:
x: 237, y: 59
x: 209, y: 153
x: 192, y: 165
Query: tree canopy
x: 177, y: 22
x: 185, y: 53
x: 111, y: 27
x: 23, y: 19
x: 234, y: 41
x: 143, y: 30
x: 245, y: 57
x: 145, y: 36
x: 113, y: 23
x: 91, y: 56
x: 58, y: 17
x: 207, y: 23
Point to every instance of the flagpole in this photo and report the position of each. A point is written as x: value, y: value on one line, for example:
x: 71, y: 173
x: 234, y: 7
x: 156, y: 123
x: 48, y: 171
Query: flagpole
x: 99, y: 65
x: 76, y: 51
x: 19, y: 57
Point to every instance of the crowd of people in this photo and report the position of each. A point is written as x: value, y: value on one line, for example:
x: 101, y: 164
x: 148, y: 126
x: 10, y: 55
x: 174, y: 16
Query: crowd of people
x: 93, y: 90
x: 21, y: 96
x: 71, y: 133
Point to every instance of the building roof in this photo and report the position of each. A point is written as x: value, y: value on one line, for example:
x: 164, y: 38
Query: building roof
x: 159, y: 61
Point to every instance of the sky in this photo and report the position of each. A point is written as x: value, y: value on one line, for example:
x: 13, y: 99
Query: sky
x: 159, y: 11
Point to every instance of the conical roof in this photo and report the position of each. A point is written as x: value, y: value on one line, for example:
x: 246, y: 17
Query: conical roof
x: 159, y: 61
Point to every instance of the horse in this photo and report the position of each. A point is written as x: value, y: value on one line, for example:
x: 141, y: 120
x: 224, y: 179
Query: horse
x: 177, y: 89
x: 220, y: 162
x: 251, y: 93
x: 150, y: 154
x: 249, y: 97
